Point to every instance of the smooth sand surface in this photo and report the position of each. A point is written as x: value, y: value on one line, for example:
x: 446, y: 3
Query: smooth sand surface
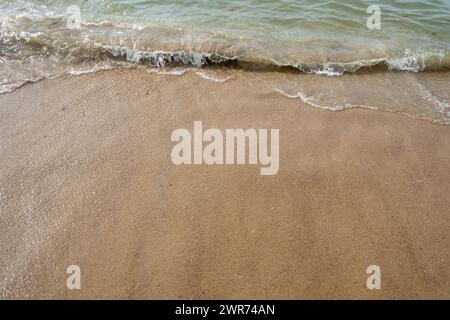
x: 86, y: 179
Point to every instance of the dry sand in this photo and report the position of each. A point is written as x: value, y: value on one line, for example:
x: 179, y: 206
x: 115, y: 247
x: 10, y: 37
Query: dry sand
x: 86, y: 179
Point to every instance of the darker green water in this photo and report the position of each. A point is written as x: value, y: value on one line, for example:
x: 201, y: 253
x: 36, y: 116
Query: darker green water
x: 41, y: 38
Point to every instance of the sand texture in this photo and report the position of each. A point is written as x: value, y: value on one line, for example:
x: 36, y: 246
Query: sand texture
x: 86, y: 179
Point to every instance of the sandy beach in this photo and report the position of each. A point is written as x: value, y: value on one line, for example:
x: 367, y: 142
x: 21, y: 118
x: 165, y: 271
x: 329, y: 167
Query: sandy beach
x: 86, y: 179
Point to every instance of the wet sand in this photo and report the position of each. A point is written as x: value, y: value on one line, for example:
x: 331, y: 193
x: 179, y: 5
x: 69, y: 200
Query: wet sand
x: 86, y: 179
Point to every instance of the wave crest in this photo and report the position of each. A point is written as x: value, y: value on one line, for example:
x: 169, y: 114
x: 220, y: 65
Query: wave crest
x: 35, y: 48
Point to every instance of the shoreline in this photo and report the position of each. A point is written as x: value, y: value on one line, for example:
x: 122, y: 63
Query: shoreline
x: 87, y: 180
x: 421, y: 96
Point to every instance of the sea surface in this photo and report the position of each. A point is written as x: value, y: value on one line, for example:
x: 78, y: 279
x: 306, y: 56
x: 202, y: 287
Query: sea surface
x: 286, y: 39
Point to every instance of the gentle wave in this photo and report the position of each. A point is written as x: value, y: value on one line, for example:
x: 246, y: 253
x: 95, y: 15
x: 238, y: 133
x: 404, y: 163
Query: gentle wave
x: 310, y: 100
x: 422, y: 96
x: 319, y: 52
x: 39, y: 47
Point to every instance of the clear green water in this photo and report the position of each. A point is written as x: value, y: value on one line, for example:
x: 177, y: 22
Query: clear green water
x: 323, y: 37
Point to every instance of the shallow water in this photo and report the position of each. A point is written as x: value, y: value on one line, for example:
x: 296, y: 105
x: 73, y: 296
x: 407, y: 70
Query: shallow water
x: 423, y: 95
x: 44, y: 39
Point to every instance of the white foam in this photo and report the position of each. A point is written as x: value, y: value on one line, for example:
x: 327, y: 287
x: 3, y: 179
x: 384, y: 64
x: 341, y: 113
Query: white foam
x: 415, y: 61
x: 174, y: 72
x: 441, y: 105
x: 95, y: 68
x: 206, y: 76
x: 310, y: 100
